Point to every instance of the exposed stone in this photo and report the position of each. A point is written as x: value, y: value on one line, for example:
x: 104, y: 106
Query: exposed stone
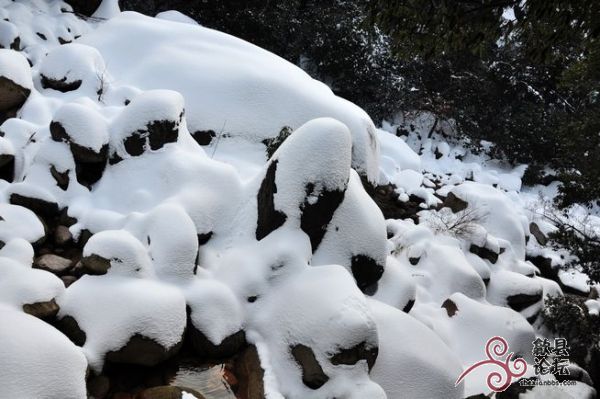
x: 68, y: 280
x: 7, y: 167
x: 366, y: 271
x: 414, y: 261
x: 269, y: 218
x: 42, y: 310
x: 274, y: 143
x: 95, y: 264
x: 454, y: 203
x: 250, y: 374
x: 484, y: 253
x: 62, y: 235
x: 387, y: 200
x: 134, y: 144
x: 37, y: 205
x: 143, y: 351
x: 161, y: 133
x: 317, y: 215
x: 540, y: 237
x: 61, y: 178
x: 409, y: 305
x: 204, y: 137
x: 551, y: 273
x: 166, y: 392
x: 519, y: 302
x: 69, y: 326
x: 60, y: 85
x: 358, y: 352
x: 514, y: 390
x: 12, y: 95
x: 313, y: 375
x: 450, y: 307
x: 205, y: 348
x: 53, y: 263
x: 98, y: 387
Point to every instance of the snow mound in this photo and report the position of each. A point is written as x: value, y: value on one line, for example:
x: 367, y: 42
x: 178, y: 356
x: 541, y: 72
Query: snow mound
x: 262, y: 95
x: 14, y: 66
x: 37, y: 361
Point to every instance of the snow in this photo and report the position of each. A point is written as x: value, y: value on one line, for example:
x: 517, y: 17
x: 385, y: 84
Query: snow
x: 178, y: 221
x: 14, y: 66
x: 21, y: 285
x: 413, y: 362
x: 176, y: 16
x: 83, y: 125
x: 318, y: 153
x: 74, y: 62
x: 153, y: 309
x: 37, y: 360
x: 261, y: 95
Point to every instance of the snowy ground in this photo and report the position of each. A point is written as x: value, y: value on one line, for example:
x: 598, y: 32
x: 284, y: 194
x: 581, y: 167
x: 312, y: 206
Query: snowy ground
x: 139, y: 207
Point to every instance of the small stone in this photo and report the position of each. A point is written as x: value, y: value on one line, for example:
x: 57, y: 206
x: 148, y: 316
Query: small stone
x: 62, y: 235
x: 42, y: 310
x: 95, y: 264
x: 53, y: 263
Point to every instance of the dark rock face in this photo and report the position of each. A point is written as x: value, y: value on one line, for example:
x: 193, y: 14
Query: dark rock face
x: 85, y: 7
x: 154, y: 136
x: 450, y: 307
x: 358, y: 352
x: 392, y: 208
x: 316, y: 216
x: 454, y: 203
x: 549, y: 272
x: 161, y: 133
x: 250, y: 374
x: 205, y: 348
x: 60, y: 85
x: 7, y: 167
x: 204, y: 137
x: 484, y: 253
x: 89, y: 164
x: 409, y: 305
x: 522, y: 301
x: 274, y: 143
x: 12, y: 97
x: 61, y: 178
x: 313, y: 375
x: 98, y: 387
x: 69, y: 326
x: 142, y: 351
x: 42, y: 310
x: 269, y: 219
x: 37, y: 205
x: 366, y: 271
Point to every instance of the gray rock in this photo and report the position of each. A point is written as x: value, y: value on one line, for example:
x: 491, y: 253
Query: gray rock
x: 53, y: 263
x: 62, y: 235
x: 95, y: 264
x: 540, y: 237
x: 42, y: 310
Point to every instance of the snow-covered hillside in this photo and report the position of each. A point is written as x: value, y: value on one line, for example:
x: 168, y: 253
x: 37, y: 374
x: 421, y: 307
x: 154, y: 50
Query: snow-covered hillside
x: 167, y: 189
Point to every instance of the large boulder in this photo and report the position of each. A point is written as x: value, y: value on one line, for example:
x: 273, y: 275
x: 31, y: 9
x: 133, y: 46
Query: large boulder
x: 15, y: 82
